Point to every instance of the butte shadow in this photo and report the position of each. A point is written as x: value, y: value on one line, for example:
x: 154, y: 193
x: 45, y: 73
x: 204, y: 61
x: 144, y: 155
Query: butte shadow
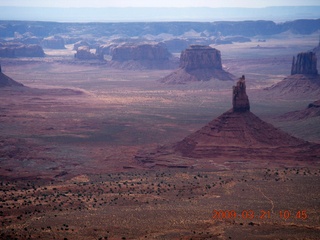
x: 6, y: 81
x: 198, y: 63
x: 236, y: 138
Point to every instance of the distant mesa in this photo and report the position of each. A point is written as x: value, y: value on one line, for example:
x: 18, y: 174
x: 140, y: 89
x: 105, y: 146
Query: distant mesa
x: 12, y: 50
x: 83, y: 53
x: 142, y: 56
x: 236, y: 135
x: 53, y: 42
x: 127, y: 52
x: 304, y: 80
x: 6, y: 81
x: 198, y: 63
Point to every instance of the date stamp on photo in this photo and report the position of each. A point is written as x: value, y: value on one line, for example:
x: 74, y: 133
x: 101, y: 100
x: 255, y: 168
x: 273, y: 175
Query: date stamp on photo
x: 261, y: 214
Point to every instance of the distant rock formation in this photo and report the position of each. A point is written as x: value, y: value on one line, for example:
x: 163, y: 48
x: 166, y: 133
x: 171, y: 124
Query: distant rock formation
x: 142, y: 56
x: 232, y: 137
x: 83, y: 53
x: 11, y: 50
x: 140, y: 52
x: 200, y: 57
x: 295, y: 86
x: 106, y: 49
x: 240, y: 100
x: 198, y: 63
x: 6, y: 81
x: 306, y: 63
x: 80, y: 44
x: 303, y: 82
x: 53, y: 42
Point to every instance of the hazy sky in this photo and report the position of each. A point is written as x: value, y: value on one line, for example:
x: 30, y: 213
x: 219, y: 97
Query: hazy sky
x: 158, y: 3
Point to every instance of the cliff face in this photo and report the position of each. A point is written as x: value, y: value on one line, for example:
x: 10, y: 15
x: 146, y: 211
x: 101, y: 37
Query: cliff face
x: 306, y: 63
x: 240, y: 100
x: 141, y: 52
x: 200, y: 57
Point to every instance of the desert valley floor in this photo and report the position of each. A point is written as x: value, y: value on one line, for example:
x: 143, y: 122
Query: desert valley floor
x: 69, y: 138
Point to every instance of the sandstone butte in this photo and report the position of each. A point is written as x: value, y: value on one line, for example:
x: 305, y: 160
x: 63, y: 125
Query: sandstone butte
x: 236, y: 135
x: 140, y: 56
x: 198, y: 63
x: 304, y: 80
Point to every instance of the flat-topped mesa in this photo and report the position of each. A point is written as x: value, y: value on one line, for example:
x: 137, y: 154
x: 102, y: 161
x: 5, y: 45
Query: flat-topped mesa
x: 140, y: 52
x: 306, y: 63
x: 240, y: 100
x: 199, y: 57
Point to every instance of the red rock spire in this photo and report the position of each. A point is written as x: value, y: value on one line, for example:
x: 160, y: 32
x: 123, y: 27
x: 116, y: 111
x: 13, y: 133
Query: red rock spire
x: 240, y: 100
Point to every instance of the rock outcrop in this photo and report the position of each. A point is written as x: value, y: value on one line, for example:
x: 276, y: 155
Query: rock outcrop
x: 6, y: 81
x: 200, y: 57
x: 53, y: 42
x: 141, y: 56
x: 306, y: 63
x: 232, y: 137
x: 11, y: 50
x: 198, y: 63
x: 140, y: 52
x: 303, y: 82
x: 240, y: 100
x: 83, y: 53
